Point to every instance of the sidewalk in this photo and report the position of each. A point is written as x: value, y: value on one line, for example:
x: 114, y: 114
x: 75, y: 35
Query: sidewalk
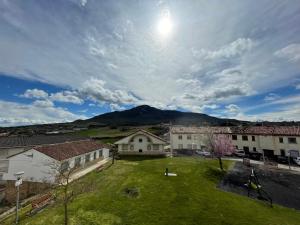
x: 88, y: 169
x: 280, y: 166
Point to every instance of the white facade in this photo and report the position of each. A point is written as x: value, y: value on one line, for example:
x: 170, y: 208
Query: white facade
x: 141, y: 142
x: 194, y: 138
x: 39, y: 167
x: 267, y: 144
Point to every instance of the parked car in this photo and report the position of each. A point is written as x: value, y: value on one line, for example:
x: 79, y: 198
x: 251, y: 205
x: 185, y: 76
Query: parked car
x: 255, y: 155
x: 283, y: 159
x: 239, y: 153
x: 297, y: 161
x: 203, y: 153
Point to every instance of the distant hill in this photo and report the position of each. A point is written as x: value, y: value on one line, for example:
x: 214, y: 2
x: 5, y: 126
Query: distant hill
x: 147, y: 115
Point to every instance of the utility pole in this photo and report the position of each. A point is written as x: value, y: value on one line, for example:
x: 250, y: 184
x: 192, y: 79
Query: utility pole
x: 17, y: 184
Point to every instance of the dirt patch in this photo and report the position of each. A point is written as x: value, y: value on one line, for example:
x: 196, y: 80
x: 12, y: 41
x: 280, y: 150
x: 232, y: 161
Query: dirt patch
x: 282, y: 185
x: 132, y: 192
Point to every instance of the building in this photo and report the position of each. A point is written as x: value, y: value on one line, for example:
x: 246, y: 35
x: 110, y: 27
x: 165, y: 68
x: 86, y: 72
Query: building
x: 271, y: 141
x: 192, y: 138
x: 40, y: 164
x: 141, y: 142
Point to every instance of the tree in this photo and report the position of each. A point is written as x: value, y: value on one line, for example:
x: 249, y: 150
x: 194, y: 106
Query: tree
x: 220, y: 145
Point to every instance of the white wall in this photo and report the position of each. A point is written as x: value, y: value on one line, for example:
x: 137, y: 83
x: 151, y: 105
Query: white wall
x: 261, y: 142
x: 37, y: 167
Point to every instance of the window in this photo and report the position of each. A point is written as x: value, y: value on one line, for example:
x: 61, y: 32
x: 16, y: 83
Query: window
x: 282, y: 152
x: 189, y: 146
x: 77, y: 161
x: 245, y: 138
x: 156, y: 147
x: 140, y: 140
x: 253, y: 138
x: 124, y: 147
x: 254, y: 149
x: 234, y: 137
x: 189, y: 137
x: 292, y: 140
x: 64, y: 166
x: 194, y: 146
x: 148, y: 147
x: 100, y: 153
x: 236, y: 147
x: 87, y: 158
x: 281, y: 140
x: 180, y: 146
x: 95, y: 155
x: 140, y: 150
x: 180, y: 137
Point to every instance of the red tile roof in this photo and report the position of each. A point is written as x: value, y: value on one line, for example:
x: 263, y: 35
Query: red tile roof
x: 264, y: 130
x: 256, y: 130
x: 69, y: 149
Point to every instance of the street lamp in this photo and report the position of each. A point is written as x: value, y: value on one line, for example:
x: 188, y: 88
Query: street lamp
x: 18, y: 182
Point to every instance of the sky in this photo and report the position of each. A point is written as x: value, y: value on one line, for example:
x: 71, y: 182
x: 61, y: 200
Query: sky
x: 63, y: 60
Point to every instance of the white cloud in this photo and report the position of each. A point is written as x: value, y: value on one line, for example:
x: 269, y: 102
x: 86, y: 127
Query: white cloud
x: 43, y: 103
x: 116, y: 107
x: 271, y: 97
x: 291, y: 52
x: 94, y: 90
x: 35, y: 93
x: 298, y: 86
x: 66, y: 96
x: 233, y: 109
x: 236, y: 48
x: 16, y: 114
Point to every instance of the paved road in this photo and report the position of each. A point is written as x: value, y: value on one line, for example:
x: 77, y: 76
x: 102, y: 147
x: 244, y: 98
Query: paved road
x: 280, y: 166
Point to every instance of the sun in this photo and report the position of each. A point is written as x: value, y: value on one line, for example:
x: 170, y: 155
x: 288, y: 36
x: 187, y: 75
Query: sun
x: 165, y: 26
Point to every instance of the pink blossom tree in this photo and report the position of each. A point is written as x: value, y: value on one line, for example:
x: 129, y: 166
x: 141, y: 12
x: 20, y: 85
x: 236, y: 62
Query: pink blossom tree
x: 221, y: 145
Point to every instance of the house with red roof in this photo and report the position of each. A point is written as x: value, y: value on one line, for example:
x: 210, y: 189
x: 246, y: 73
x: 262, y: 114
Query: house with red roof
x: 41, y: 163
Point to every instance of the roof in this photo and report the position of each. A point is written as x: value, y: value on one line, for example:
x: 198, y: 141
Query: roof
x: 198, y: 130
x: 69, y: 149
x: 268, y: 130
x: 255, y: 130
x: 30, y: 141
x: 143, y: 131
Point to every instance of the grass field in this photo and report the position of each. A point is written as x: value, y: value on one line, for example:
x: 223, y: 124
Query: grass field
x: 189, y: 198
x: 111, y: 135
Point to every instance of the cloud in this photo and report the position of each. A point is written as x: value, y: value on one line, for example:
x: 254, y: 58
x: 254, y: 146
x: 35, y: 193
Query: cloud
x: 233, y: 109
x: 67, y: 97
x: 16, y: 114
x: 116, y: 107
x: 236, y: 48
x: 95, y: 90
x: 130, y: 64
x: 298, y: 86
x: 43, y: 103
x: 290, y: 52
x: 271, y: 97
x: 35, y: 93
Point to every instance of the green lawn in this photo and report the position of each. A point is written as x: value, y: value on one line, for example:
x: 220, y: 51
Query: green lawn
x: 189, y: 198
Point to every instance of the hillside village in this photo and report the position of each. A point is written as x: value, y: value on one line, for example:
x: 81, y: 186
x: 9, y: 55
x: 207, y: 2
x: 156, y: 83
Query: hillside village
x: 42, y: 159
x: 149, y: 112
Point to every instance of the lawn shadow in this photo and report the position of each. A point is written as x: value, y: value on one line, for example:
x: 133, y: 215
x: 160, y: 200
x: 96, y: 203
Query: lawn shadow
x: 140, y: 157
x: 214, y: 174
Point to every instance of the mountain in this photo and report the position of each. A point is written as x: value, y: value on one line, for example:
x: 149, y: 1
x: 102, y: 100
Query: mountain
x: 147, y: 115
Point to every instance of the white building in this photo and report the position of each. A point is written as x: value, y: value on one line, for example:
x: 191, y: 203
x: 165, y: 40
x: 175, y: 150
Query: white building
x: 141, y: 142
x: 41, y: 164
x: 270, y: 141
